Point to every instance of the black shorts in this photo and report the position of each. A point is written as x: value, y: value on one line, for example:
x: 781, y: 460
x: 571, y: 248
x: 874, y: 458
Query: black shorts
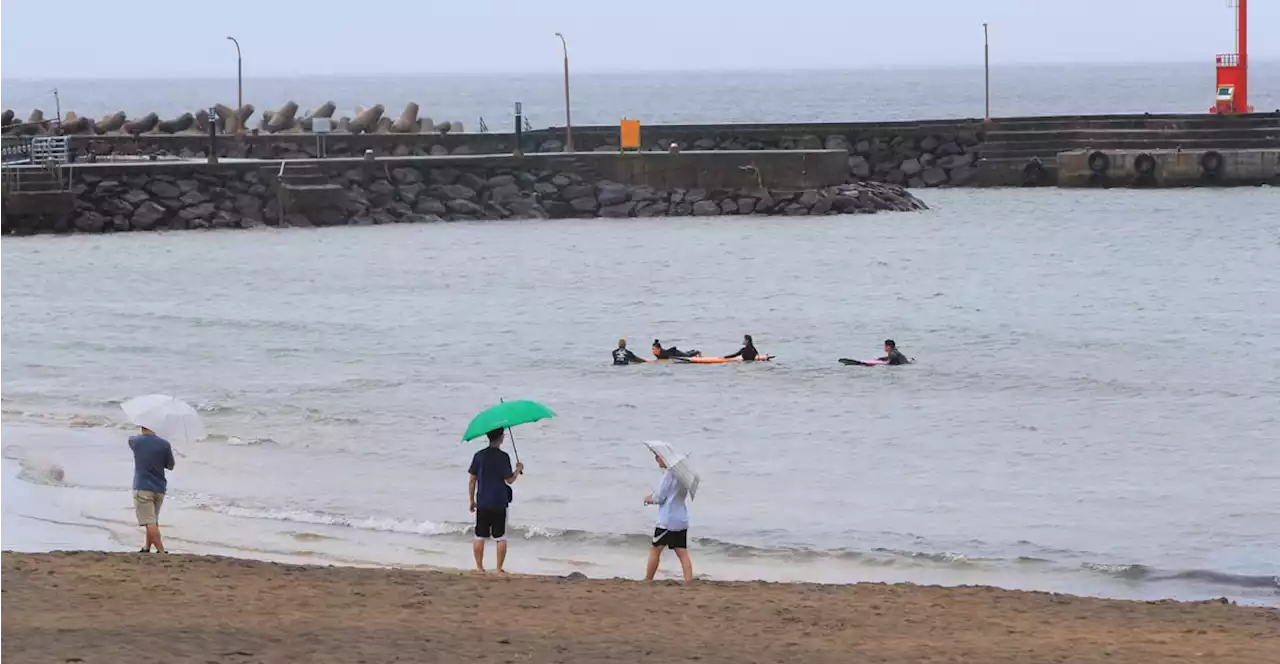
x: 672, y: 539
x: 491, y: 524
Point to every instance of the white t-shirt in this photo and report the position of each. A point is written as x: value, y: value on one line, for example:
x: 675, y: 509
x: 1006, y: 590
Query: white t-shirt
x: 670, y: 497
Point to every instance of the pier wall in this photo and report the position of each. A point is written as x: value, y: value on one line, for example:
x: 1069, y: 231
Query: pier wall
x: 917, y: 154
x: 244, y: 193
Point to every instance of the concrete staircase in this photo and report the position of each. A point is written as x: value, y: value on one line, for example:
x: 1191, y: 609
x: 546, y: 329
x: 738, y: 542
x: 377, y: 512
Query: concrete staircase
x: 35, y: 183
x: 304, y: 187
x: 1011, y: 145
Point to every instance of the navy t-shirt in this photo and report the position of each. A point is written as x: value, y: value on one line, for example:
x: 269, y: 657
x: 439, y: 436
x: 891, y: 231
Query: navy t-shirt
x: 492, y: 467
x: 151, y: 456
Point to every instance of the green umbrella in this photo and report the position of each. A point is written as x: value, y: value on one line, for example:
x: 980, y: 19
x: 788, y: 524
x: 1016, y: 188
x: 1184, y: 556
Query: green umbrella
x: 506, y: 415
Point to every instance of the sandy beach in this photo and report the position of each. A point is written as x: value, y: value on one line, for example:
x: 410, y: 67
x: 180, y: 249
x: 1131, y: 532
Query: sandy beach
x: 98, y: 607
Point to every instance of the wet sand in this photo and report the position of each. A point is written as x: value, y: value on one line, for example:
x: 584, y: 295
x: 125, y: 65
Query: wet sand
x: 99, y: 607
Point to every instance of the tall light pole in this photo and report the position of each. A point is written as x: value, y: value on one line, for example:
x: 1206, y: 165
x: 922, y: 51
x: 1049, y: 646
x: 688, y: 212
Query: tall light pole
x: 986, y: 69
x: 568, y: 123
x: 239, y: 86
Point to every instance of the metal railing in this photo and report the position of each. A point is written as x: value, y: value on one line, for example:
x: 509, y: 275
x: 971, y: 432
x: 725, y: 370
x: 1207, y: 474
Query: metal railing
x: 50, y: 150
x: 41, y: 167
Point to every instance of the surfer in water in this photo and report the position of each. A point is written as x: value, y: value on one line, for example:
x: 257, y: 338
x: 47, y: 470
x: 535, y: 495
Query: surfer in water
x: 668, y: 353
x: 748, y: 351
x: 623, y: 356
x: 892, y: 355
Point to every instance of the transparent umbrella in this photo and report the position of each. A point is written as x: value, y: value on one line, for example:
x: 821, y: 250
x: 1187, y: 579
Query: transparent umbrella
x: 678, y: 464
x: 171, y: 418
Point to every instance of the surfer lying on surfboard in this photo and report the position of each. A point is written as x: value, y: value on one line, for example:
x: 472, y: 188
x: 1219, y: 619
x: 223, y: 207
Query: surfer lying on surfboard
x: 892, y: 356
x: 748, y: 351
x: 672, y: 352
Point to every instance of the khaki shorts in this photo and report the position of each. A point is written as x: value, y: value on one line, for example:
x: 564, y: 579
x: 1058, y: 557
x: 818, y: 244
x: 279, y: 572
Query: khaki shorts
x: 146, y: 504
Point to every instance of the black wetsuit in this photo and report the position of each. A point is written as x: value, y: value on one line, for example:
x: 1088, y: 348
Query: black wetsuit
x: 668, y: 353
x: 622, y: 356
x: 748, y: 353
x: 895, y: 357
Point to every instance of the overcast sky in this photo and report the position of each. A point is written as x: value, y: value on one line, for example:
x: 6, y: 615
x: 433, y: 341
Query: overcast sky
x: 180, y: 38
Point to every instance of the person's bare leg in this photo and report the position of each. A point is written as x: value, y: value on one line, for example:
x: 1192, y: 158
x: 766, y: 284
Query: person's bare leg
x: 153, y: 537
x: 146, y: 545
x: 686, y: 564
x: 655, y: 553
x: 477, y: 550
x: 502, y: 555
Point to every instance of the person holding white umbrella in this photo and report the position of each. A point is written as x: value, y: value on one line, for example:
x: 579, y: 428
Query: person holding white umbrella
x: 153, y: 454
x: 679, y: 481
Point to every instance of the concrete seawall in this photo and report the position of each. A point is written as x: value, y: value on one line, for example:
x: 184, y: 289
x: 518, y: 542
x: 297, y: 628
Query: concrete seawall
x: 243, y: 193
x: 960, y: 152
x: 1167, y: 168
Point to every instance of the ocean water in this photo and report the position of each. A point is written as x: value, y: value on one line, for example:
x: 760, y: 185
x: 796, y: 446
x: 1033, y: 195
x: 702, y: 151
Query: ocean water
x: 687, y: 97
x: 1093, y: 407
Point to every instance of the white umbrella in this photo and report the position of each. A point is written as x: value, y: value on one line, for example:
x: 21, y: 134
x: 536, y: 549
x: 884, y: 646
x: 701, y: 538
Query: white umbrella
x: 678, y: 464
x: 172, y: 419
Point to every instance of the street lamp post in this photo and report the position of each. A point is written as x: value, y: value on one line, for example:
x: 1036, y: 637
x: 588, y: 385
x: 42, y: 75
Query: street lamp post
x: 986, y: 69
x: 239, y: 87
x: 568, y: 123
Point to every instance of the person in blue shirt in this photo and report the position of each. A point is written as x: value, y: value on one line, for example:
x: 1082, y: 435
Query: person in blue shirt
x: 490, y: 491
x: 672, y: 530
x: 152, y: 455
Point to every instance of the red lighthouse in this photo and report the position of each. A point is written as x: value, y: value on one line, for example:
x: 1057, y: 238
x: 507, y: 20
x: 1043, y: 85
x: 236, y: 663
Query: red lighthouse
x: 1233, y: 68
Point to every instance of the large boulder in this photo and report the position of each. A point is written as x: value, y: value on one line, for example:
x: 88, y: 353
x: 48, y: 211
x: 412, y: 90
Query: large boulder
x: 576, y: 191
x: 325, y: 111
x: 453, y: 191
x: 147, y: 216
x: 110, y: 123
x: 611, y: 193
x: 366, y: 120
x: 75, y: 125
x: 430, y: 206
x: 464, y: 207
x: 282, y: 119
x: 583, y: 204
x: 933, y: 177
x: 91, y: 222
x: 471, y: 181
x: 142, y: 125
x: 201, y: 211
x: 443, y: 175
x: 706, y: 208
x: 526, y: 208
x: 193, y: 197
x: 381, y: 192
x: 617, y: 210
x: 163, y: 189
x: 407, y: 123
x: 859, y: 166
x: 409, y: 193
x: 181, y: 123
x: 407, y: 175
x: 504, y: 193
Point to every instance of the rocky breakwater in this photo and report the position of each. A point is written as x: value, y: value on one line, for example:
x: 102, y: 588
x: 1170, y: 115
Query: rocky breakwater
x: 285, y: 120
x: 411, y: 194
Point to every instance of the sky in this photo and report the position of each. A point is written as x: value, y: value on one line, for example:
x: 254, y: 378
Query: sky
x: 187, y: 38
